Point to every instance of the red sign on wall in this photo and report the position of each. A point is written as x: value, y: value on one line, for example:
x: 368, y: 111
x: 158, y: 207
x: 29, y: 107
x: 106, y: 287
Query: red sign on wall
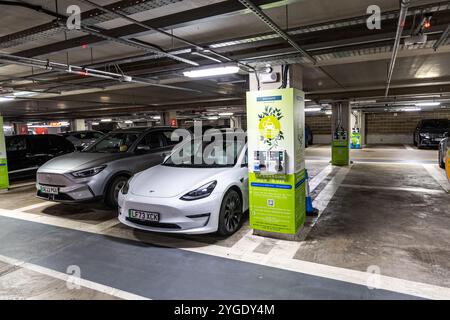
x: 22, y: 128
x: 173, y: 123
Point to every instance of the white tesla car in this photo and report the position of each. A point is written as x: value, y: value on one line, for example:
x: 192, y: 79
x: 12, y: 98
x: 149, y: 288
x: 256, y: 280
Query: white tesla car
x: 199, y: 188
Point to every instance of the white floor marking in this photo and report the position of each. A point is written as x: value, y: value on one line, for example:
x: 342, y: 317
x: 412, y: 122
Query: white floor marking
x: 314, y: 182
x: 439, y: 175
x: 410, y: 189
x: 19, y: 185
x: 408, y: 147
x: 65, y: 277
x: 248, y: 243
x: 105, y: 225
x: 324, y: 197
x: 35, y: 206
x: 342, y: 274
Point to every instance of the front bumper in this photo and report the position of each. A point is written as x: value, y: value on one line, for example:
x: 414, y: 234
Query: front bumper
x: 175, y: 215
x: 429, y: 142
x: 70, y: 190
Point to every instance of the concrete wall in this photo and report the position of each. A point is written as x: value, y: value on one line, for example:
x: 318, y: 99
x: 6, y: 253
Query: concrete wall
x: 397, y: 128
x: 320, y: 126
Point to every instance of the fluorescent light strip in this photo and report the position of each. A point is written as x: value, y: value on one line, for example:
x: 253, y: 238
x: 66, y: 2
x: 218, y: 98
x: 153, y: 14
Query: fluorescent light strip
x: 216, y: 71
x: 428, y: 104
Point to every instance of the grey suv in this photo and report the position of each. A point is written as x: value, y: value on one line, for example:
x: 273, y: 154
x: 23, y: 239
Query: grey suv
x: 100, y: 171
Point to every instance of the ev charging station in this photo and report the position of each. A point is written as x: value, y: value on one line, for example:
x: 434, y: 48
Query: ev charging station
x: 4, y: 180
x: 340, y: 144
x: 276, y: 149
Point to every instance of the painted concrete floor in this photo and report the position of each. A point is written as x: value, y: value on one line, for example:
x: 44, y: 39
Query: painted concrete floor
x: 384, y: 223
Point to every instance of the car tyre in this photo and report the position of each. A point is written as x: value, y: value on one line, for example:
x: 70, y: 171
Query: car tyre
x: 112, y: 193
x: 231, y: 214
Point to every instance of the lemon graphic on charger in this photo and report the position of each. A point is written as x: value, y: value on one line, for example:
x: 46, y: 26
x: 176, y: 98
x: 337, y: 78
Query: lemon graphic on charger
x: 269, y: 127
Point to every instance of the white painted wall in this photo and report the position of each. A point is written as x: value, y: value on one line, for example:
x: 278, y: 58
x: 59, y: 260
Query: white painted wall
x: 322, y: 138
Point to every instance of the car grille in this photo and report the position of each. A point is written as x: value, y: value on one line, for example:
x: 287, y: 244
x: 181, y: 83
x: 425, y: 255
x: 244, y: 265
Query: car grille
x: 154, y: 224
x: 52, y: 179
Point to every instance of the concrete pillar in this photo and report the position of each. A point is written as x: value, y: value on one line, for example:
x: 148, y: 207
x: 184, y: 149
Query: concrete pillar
x: 358, y: 120
x: 169, y: 118
x: 276, y: 211
x: 236, y: 122
x: 79, y: 125
x: 341, y: 123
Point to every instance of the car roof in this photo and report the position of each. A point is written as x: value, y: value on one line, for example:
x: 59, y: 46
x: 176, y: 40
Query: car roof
x: 81, y: 131
x: 143, y: 129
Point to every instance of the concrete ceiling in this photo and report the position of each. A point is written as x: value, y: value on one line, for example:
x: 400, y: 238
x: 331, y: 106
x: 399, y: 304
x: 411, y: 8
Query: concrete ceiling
x: 360, y: 66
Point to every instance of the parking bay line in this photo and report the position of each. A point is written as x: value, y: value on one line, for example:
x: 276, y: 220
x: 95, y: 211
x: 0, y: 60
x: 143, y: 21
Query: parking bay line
x: 68, y: 278
x: 409, y: 189
x: 330, y: 272
x: 438, y: 175
x: 35, y: 206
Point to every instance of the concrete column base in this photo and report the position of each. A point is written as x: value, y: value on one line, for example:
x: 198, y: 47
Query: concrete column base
x: 281, y: 236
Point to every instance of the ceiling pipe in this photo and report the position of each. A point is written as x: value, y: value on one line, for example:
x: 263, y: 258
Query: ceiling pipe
x: 200, y: 49
x: 48, y: 65
x: 398, y: 36
x: 271, y: 24
x: 442, y: 39
x: 32, y: 7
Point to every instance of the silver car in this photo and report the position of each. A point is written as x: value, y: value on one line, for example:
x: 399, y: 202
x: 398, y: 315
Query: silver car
x: 82, y: 139
x: 100, y: 171
x: 444, y: 148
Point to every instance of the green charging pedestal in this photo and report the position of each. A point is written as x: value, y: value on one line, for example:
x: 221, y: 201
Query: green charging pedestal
x: 4, y: 181
x: 275, y: 126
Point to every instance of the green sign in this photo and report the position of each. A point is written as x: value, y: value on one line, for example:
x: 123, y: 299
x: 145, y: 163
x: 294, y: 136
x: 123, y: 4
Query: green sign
x: 4, y: 181
x: 275, y: 128
x: 340, y: 153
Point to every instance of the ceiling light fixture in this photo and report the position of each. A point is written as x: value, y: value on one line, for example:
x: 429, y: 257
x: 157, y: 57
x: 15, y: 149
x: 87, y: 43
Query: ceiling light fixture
x: 106, y: 120
x: 312, y: 109
x: 226, y: 114
x: 216, y: 70
x: 428, y: 104
x: 410, y: 109
x: 3, y: 99
x: 213, y: 118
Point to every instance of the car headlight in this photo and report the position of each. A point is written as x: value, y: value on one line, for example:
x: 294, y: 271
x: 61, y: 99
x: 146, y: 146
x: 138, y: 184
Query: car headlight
x: 200, y: 193
x: 88, y: 172
x: 425, y: 135
x: 126, y: 187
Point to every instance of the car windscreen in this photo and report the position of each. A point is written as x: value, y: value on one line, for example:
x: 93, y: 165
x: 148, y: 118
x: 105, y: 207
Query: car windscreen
x: 114, y: 142
x: 201, y: 153
x: 435, y: 124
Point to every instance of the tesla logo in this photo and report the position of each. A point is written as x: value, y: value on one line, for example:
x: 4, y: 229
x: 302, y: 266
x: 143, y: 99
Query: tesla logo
x: 151, y: 191
x: 49, y: 178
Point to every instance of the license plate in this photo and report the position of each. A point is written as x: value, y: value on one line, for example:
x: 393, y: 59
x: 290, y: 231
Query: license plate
x: 438, y: 139
x: 49, y: 190
x: 143, y: 215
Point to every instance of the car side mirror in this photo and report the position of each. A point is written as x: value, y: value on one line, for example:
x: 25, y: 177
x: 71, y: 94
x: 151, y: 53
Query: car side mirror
x: 446, y: 134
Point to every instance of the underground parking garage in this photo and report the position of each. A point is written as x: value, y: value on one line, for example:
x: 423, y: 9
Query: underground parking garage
x: 224, y: 150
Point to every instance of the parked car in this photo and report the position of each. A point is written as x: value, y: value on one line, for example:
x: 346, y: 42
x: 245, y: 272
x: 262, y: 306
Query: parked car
x: 430, y: 132
x: 187, y: 196
x: 101, y: 170
x: 25, y: 153
x: 444, y: 149
x: 82, y: 139
x: 308, y: 136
